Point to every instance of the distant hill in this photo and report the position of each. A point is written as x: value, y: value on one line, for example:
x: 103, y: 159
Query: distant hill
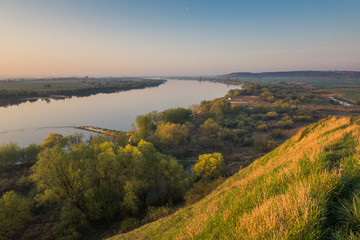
x: 308, y: 188
x: 350, y: 75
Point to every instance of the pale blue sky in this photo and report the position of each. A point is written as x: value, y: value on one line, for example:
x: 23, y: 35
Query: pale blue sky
x: 177, y: 37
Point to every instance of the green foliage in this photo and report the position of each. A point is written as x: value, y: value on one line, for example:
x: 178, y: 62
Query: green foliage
x: 54, y: 139
x: 216, y: 106
x: 263, y: 144
x: 145, y: 125
x: 209, y: 166
x: 99, y: 180
x: 286, y: 122
x: 171, y: 134
x: 15, y: 213
x: 201, y: 189
x: 220, y: 106
x: 154, y: 213
x: 176, y: 115
x: 11, y: 155
x: 129, y: 224
x: 277, y: 133
x: 272, y: 115
x: 210, y: 128
x: 349, y: 214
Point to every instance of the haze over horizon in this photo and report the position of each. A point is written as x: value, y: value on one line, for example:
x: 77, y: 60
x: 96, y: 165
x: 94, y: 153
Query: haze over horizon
x: 177, y: 37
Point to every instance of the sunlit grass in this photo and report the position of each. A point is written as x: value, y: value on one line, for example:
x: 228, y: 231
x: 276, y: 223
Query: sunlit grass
x: 293, y: 192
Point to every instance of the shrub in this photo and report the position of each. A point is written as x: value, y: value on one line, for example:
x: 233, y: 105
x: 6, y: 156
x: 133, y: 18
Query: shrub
x: 209, y: 165
x: 263, y: 144
x: 154, y: 213
x: 14, y: 214
x: 272, y: 114
x: 129, y: 224
x: 201, y: 189
x: 277, y: 133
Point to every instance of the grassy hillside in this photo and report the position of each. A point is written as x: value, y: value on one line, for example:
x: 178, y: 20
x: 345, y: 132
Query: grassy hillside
x: 308, y: 188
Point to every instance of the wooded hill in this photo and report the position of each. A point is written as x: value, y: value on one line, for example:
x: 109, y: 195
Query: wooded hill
x: 308, y: 188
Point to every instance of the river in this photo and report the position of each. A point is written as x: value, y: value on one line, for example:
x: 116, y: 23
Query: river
x: 31, y: 122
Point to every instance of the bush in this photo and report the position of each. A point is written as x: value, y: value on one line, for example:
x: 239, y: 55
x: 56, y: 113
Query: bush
x: 14, y: 214
x: 9, y: 155
x: 176, y: 115
x: 272, y: 114
x: 129, y: 224
x: 201, y: 189
x: 154, y: 213
x: 263, y: 144
x: 277, y: 133
x: 209, y: 165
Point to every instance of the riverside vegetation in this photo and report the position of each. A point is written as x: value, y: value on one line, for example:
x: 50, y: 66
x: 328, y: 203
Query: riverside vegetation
x: 16, y: 91
x: 66, y: 188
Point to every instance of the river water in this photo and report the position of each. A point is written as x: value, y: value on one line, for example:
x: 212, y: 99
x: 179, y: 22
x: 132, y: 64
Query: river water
x: 31, y: 122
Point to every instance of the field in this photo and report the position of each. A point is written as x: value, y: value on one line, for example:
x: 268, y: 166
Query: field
x: 353, y: 93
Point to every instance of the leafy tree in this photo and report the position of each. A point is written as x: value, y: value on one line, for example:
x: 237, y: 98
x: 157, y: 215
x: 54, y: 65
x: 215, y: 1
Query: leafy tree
x: 209, y: 165
x: 176, y: 115
x: 220, y: 106
x: 15, y: 213
x: 201, y: 189
x: 205, y: 106
x: 286, y: 122
x: 263, y: 144
x: 54, y: 139
x: 171, y: 134
x: 272, y: 114
x: 144, y: 125
x: 9, y: 155
x: 210, y: 128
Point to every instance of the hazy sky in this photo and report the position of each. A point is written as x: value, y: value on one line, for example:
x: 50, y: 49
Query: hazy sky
x: 177, y: 37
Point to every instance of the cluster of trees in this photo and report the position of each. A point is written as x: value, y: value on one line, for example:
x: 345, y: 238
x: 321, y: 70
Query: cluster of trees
x: 281, y: 95
x: 12, y: 155
x: 85, y: 183
x: 99, y: 181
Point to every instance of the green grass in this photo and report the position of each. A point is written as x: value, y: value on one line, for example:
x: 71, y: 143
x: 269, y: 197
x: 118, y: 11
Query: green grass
x: 353, y: 93
x: 308, y: 188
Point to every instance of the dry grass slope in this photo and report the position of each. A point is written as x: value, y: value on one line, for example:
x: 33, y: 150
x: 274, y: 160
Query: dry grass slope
x: 295, y: 192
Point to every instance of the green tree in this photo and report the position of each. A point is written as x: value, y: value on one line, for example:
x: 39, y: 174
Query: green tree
x: 144, y: 125
x: 54, y: 139
x: 171, y: 134
x: 176, y: 115
x: 209, y: 165
x: 220, y: 106
x: 210, y: 128
x: 15, y: 213
x: 9, y: 155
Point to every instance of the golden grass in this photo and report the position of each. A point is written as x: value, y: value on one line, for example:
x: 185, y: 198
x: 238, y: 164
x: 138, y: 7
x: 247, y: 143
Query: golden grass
x: 270, y: 199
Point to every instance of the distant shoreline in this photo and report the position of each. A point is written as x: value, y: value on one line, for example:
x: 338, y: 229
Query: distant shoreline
x: 16, y: 92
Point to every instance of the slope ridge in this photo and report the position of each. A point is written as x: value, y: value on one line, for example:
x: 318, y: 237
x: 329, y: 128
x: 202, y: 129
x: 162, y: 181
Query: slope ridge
x: 294, y: 192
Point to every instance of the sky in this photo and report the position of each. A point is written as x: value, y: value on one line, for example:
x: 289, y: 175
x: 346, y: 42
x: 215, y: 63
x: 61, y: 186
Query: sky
x: 176, y: 37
